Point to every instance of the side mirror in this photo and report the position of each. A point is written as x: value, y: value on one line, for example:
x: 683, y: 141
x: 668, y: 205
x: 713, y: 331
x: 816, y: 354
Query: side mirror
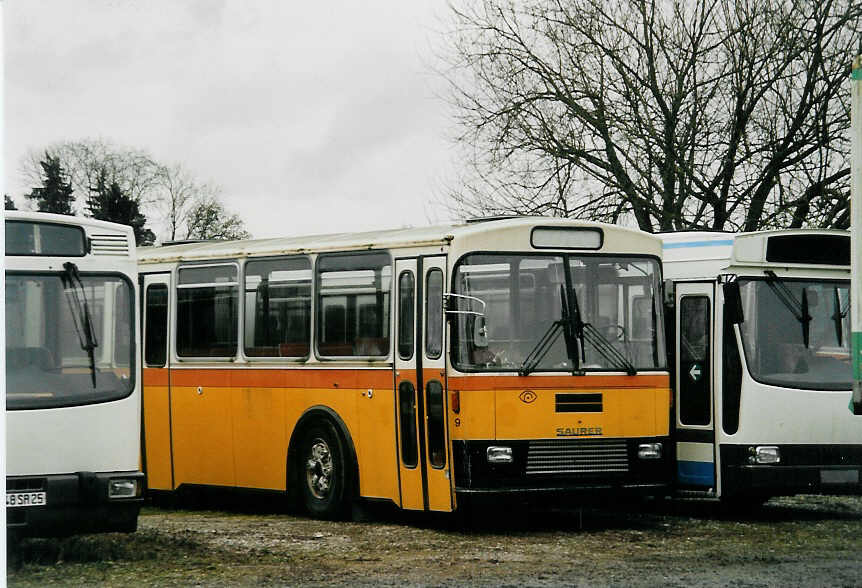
x: 732, y: 303
x: 480, y: 332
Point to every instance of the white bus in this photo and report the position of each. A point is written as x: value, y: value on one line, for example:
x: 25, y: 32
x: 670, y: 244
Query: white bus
x: 72, y: 376
x: 759, y: 327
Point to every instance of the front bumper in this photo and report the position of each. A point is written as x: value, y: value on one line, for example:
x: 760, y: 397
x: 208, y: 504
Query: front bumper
x: 561, y: 466
x: 74, y: 503
x: 803, y: 469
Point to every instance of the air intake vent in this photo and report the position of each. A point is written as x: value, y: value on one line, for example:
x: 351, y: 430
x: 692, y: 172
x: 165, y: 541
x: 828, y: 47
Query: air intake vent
x: 570, y: 456
x: 578, y: 402
x: 109, y: 245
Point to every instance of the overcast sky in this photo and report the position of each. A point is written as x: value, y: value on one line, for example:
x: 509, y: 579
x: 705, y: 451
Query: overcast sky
x: 311, y: 116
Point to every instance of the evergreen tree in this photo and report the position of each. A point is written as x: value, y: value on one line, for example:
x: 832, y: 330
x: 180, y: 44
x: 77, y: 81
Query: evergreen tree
x: 55, y: 195
x: 10, y: 204
x: 107, y: 202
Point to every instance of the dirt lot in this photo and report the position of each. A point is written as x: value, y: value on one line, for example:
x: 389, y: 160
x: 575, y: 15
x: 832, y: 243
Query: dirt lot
x: 813, y: 541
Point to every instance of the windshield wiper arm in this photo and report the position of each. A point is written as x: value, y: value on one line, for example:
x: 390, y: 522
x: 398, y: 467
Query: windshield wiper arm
x: 541, y: 349
x: 798, y: 309
x: 546, y: 342
x: 838, y: 317
x: 80, y: 310
x: 608, y: 351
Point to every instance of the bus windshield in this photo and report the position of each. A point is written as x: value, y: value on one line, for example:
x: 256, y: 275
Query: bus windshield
x: 68, y: 342
x: 796, y: 333
x: 557, y: 313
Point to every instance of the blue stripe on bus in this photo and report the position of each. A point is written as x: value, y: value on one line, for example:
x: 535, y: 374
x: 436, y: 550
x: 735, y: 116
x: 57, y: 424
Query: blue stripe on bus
x: 697, y: 244
x: 696, y: 473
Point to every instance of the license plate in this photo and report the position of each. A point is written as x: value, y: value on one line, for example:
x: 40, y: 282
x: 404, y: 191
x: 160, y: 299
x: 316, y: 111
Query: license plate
x: 839, y: 476
x: 15, y: 499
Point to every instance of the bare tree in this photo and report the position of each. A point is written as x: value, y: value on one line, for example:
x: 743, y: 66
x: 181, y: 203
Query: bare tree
x: 709, y: 114
x: 178, y: 191
x: 208, y: 219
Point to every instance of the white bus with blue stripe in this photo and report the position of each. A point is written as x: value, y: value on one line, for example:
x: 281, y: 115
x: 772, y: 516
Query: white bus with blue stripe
x: 759, y: 326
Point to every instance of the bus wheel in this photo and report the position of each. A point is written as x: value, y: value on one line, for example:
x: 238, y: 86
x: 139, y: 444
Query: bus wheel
x: 323, y: 471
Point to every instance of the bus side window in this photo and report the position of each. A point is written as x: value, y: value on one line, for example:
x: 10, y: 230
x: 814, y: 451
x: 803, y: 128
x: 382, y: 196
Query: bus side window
x: 277, y: 307
x: 353, y: 304
x: 156, y: 325
x: 207, y: 302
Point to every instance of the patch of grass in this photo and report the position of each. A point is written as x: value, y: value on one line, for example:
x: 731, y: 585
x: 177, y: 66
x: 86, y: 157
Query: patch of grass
x: 106, y: 547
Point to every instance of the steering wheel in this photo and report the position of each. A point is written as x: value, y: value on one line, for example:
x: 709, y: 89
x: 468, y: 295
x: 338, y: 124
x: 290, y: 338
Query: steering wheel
x: 613, y: 333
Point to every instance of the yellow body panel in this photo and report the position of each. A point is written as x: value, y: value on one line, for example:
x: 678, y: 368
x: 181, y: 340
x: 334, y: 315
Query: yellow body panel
x: 525, y: 408
x: 477, y: 419
x: 626, y: 413
x: 259, y: 437
x: 237, y: 435
x: 157, y: 433
x: 202, y: 436
x: 376, y: 445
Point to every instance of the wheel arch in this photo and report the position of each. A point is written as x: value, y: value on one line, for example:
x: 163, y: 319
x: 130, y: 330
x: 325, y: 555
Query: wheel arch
x: 310, y: 416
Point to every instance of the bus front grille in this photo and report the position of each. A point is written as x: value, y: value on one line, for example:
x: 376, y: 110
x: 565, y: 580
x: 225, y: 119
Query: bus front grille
x: 571, y: 456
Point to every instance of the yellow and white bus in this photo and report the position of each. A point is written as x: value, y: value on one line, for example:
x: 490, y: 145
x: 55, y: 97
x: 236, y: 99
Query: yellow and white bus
x: 414, y: 366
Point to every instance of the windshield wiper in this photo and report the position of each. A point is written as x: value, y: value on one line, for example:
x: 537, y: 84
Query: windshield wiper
x: 606, y: 349
x: 546, y: 342
x: 838, y: 317
x: 542, y: 347
x: 798, y: 309
x: 80, y: 310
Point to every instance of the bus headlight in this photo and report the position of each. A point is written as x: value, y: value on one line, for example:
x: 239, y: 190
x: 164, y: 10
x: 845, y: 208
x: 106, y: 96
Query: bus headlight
x: 649, y: 451
x: 763, y: 454
x: 499, y: 454
x: 121, y: 488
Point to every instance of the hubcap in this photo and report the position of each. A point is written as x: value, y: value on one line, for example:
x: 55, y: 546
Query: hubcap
x: 318, y: 469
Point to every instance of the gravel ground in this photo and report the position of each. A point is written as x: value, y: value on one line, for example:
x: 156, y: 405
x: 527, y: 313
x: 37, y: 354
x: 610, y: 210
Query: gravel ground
x: 801, y: 541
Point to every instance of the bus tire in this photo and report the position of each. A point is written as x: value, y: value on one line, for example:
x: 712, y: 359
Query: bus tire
x: 323, y: 471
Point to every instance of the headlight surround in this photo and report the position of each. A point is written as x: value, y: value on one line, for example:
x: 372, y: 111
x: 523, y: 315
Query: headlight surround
x: 119, y: 488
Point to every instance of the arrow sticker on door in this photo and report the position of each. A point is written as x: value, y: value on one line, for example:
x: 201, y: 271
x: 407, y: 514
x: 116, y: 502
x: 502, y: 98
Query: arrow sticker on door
x: 695, y: 372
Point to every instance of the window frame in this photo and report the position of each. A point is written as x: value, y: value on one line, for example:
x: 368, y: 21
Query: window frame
x: 85, y: 240
x: 243, y: 309
x: 146, y: 325
x: 412, y: 322
x: 704, y: 396
x: 317, y: 307
x: 427, y: 315
x: 566, y: 255
x: 135, y: 358
x: 176, y: 309
x: 744, y: 341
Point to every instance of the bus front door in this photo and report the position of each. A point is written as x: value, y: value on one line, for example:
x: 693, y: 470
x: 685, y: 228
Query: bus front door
x: 420, y: 385
x: 695, y: 422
